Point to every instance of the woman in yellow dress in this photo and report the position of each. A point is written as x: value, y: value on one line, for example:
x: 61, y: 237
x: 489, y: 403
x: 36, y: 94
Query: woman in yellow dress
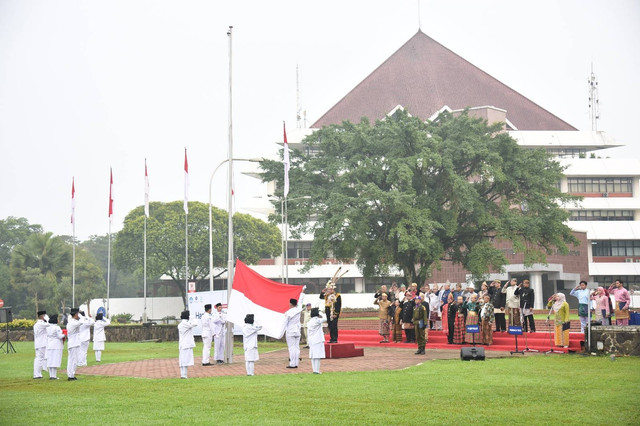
x: 558, y: 303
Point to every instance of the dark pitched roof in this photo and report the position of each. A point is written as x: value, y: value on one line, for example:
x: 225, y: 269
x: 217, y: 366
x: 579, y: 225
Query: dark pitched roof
x: 423, y: 76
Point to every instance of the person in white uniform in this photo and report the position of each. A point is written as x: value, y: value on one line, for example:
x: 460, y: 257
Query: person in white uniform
x: 85, y: 338
x: 98, y: 335
x: 40, y: 343
x: 306, y: 316
x: 316, y: 339
x: 207, y: 334
x: 186, y: 343
x: 73, y: 345
x: 219, y: 321
x: 250, y: 343
x: 292, y: 330
x: 55, y: 347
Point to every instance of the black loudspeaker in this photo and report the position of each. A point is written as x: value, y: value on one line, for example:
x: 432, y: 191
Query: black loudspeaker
x: 5, y: 315
x: 472, y: 353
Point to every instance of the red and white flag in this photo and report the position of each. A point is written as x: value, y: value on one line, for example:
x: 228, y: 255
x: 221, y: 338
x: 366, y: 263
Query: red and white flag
x: 285, y: 160
x: 110, y: 195
x: 146, y: 190
x: 267, y: 300
x: 186, y: 183
x: 73, y: 200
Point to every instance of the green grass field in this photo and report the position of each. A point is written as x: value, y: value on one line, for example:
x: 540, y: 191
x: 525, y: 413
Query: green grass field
x: 532, y: 390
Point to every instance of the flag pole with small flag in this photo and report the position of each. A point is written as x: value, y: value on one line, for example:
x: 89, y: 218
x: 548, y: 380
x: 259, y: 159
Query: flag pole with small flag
x: 186, y: 229
x: 109, y: 247
x: 146, y: 215
x: 73, y: 242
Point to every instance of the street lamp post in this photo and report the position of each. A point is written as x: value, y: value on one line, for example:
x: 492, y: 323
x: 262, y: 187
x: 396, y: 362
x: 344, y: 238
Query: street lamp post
x: 251, y: 160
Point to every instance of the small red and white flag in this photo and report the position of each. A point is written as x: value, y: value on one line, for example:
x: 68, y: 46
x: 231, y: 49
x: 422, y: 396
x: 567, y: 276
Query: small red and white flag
x: 146, y: 190
x: 73, y: 200
x: 267, y: 300
x: 110, y: 195
x: 285, y: 160
x: 186, y: 183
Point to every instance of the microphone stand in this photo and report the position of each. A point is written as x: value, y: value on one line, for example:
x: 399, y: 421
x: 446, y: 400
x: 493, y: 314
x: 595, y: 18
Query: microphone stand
x: 551, y: 350
x: 522, y: 320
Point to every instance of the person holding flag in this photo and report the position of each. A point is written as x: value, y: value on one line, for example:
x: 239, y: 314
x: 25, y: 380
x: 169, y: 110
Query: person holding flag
x: 219, y: 320
x: 292, y: 329
x: 250, y: 343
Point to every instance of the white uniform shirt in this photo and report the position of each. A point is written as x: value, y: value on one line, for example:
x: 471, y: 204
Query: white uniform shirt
x: 315, y: 333
x: 185, y: 333
x: 73, y: 331
x: 98, y: 330
x: 207, y: 324
x: 218, y: 320
x: 85, y: 329
x: 292, y: 321
x: 250, y: 341
x: 434, y: 302
x: 55, y: 337
x: 40, y: 334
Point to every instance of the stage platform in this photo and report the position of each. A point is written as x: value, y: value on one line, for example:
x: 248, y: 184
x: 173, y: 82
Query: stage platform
x: 438, y: 340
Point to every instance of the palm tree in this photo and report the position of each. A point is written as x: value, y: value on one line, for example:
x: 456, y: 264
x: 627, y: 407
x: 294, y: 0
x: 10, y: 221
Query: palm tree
x: 39, y: 263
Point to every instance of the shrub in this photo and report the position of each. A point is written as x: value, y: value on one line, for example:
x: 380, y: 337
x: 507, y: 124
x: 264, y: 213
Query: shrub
x: 121, y: 318
x: 22, y: 323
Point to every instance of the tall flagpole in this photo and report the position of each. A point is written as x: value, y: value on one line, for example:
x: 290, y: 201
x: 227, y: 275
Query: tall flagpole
x: 228, y: 347
x: 285, y: 193
x: 109, y: 247
x: 146, y: 214
x: 73, y: 245
x: 186, y: 229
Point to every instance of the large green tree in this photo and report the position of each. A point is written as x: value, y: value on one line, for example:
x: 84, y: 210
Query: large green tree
x: 122, y: 283
x: 254, y: 239
x: 410, y: 194
x: 14, y: 231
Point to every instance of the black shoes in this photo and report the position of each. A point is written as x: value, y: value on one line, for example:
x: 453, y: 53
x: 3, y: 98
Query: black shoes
x: 206, y: 364
x: 420, y: 352
x: 71, y: 378
x: 219, y: 361
x: 289, y: 366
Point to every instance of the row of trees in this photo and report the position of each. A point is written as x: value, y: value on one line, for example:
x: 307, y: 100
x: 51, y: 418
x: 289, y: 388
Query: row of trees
x: 35, y: 266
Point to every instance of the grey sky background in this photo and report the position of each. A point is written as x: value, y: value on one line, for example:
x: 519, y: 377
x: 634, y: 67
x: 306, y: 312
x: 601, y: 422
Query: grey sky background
x: 86, y: 85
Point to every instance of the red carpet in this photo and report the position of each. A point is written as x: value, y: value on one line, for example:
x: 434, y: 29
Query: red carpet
x: 438, y: 340
x: 342, y: 350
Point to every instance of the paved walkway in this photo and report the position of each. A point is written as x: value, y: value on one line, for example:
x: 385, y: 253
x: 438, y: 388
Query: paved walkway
x: 275, y: 362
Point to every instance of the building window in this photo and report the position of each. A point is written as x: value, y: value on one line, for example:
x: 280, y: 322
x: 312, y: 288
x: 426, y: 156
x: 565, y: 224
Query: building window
x: 601, y: 215
x: 568, y: 152
x: 616, y: 248
x: 299, y: 249
x: 597, y: 185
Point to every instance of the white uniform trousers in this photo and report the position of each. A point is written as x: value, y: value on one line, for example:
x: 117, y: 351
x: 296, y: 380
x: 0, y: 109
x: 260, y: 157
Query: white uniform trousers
x: 40, y: 362
x: 82, y: 355
x: 293, y: 342
x: 219, y: 347
x: 72, y: 360
x: 250, y: 366
x: 206, y: 349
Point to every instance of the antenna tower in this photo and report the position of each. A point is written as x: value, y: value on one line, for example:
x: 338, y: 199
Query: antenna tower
x: 594, y: 101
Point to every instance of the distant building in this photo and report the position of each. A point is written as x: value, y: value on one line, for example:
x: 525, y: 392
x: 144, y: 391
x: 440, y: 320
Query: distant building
x: 426, y: 78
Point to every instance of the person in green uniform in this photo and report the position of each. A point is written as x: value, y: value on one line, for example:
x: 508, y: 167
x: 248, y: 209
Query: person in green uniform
x: 420, y: 323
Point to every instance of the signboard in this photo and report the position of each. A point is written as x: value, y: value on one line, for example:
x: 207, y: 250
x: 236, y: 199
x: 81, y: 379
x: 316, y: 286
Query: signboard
x: 515, y: 329
x: 192, y: 286
x: 1, y: 303
x: 196, y: 302
x: 473, y: 328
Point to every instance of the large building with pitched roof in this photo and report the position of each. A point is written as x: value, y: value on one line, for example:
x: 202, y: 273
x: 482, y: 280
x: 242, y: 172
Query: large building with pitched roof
x: 425, y: 78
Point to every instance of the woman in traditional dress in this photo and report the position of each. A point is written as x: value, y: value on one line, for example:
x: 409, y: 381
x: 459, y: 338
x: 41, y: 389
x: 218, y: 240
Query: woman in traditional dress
x: 445, y: 318
x: 484, y: 289
x: 459, y: 321
x: 487, y: 317
x: 602, y: 305
x: 383, y: 316
x: 397, y: 321
x: 473, y: 307
x: 316, y: 340
x: 560, y: 307
x: 55, y: 347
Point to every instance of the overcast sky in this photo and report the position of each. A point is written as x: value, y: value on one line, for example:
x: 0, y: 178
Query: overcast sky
x: 87, y: 85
